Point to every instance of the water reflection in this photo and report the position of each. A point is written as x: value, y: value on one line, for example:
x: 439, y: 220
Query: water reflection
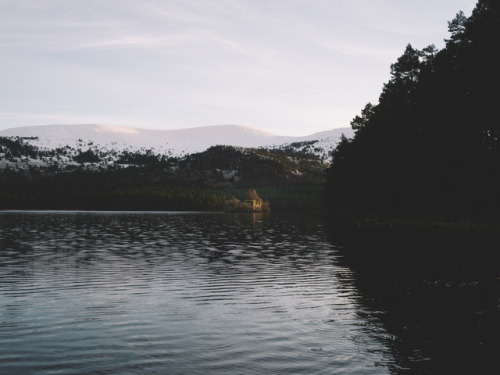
x: 437, y: 297
x: 127, y: 293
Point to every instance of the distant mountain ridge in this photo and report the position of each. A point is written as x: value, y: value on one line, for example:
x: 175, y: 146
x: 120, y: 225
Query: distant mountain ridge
x: 173, y: 142
x: 102, y: 167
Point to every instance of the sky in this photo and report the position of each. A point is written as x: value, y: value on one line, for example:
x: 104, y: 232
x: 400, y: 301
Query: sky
x: 290, y: 67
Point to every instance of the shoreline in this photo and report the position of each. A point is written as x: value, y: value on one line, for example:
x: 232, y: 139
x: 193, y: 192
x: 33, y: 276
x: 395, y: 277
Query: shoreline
x: 414, y: 225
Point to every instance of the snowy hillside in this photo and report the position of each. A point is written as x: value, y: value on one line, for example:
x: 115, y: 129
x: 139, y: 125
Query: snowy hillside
x: 103, y: 167
x: 171, y: 142
x: 68, y: 147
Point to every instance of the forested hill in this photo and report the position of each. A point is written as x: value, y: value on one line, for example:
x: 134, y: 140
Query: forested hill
x: 290, y: 177
x: 113, y: 168
x: 431, y: 145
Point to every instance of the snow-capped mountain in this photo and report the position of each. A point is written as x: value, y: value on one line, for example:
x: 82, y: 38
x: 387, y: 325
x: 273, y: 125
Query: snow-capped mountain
x: 93, y: 147
x: 172, y: 142
x: 111, y: 167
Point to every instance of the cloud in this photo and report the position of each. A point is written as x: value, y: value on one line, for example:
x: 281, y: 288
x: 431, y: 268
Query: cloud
x: 192, y: 62
x: 139, y: 41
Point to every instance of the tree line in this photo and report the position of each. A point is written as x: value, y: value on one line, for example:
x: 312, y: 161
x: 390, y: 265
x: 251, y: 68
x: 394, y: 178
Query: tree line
x: 202, y: 182
x: 431, y: 145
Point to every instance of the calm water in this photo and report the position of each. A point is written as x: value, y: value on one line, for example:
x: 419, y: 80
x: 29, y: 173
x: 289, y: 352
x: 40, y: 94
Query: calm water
x: 197, y: 293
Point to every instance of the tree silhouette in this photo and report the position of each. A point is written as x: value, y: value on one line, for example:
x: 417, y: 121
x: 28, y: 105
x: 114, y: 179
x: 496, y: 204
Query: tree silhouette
x: 431, y: 145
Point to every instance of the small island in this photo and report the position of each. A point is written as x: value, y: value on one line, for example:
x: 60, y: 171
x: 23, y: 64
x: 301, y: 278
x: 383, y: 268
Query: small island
x: 252, y: 203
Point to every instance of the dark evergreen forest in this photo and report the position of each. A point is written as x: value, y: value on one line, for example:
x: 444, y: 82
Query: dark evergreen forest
x: 430, y: 147
x: 288, y: 178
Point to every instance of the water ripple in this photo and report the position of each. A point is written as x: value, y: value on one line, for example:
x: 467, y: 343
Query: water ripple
x: 141, y: 293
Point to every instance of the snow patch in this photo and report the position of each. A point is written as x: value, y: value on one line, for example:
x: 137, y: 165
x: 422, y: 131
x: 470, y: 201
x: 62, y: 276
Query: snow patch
x: 168, y: 142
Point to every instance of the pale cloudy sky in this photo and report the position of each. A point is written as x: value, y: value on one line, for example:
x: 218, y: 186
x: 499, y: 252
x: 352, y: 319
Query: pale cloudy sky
x: 291, y: 67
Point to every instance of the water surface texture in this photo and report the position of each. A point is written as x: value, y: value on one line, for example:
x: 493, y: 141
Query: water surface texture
x: 204, y: 293
x: 178, y: 293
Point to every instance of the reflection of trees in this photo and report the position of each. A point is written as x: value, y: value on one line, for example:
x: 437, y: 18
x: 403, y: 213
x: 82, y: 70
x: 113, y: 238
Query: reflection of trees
x: 434, y: 295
